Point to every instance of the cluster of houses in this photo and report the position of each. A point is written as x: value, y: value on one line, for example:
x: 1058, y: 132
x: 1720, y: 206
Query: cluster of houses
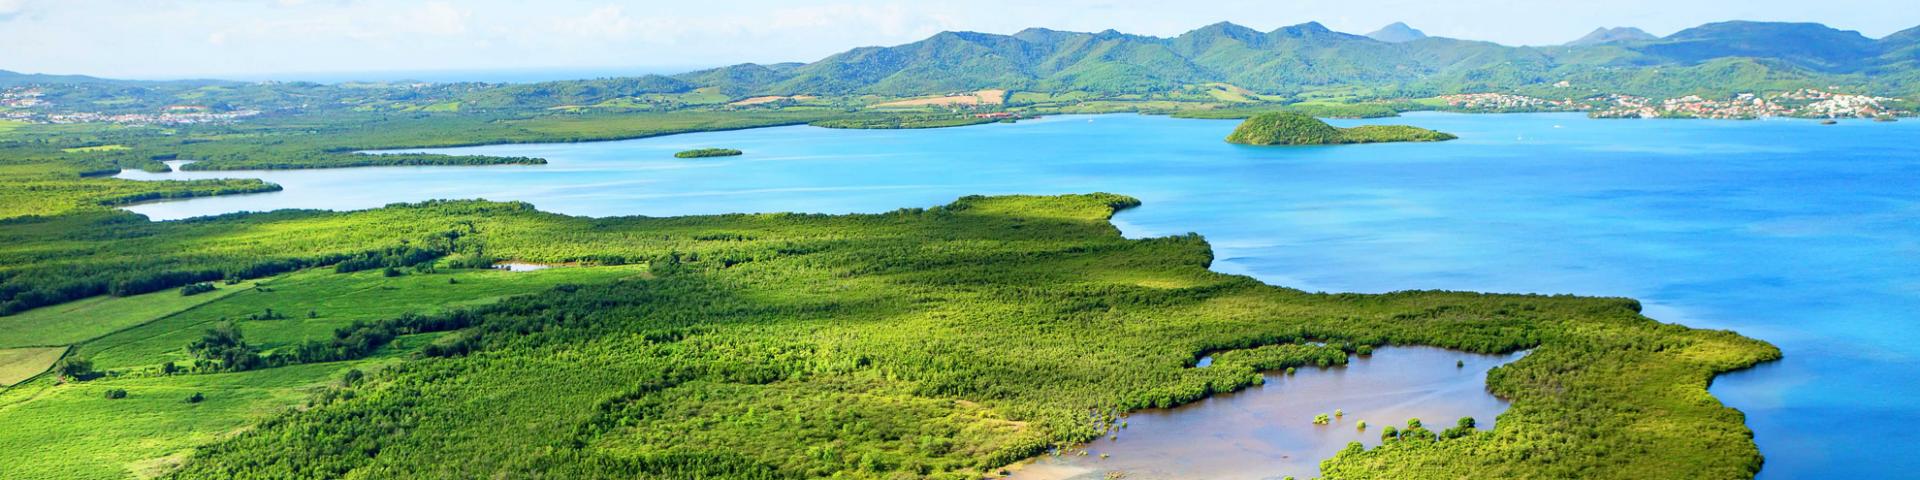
x: 1806, y: 103
x: 1508, y: 102
x: 21, y: 97
x: 168, y: 118
x: 28, y: 104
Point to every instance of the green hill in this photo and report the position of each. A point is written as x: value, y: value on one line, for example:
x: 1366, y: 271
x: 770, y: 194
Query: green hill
x: 1287, y: 128
x: 1309, y: 56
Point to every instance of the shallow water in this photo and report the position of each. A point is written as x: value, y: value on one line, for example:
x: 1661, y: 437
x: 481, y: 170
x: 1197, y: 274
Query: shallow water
x: 1267, y: 431
x: 1803, y: 235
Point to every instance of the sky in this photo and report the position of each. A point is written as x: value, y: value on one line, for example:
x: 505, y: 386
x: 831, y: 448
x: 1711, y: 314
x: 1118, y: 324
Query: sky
x: 292, y: 38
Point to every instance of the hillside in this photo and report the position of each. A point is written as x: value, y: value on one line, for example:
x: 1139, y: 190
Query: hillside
x: 1398, y: 32
x: 1308, y: 56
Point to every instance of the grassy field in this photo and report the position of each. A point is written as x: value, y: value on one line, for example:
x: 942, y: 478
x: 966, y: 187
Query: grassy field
x: 75, y: 432
x: 19, y: 364
x: 76, y: 322
x: 96, y: 148
x: 316, y: 302
x: 79, y: 433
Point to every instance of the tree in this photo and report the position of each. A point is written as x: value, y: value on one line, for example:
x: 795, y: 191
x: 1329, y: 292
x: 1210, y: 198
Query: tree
x: 225, y: 346
x: 196, y: 289
x: 75, y: 368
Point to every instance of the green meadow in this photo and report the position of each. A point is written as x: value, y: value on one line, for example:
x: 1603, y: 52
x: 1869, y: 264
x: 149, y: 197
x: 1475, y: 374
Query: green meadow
x: 79, y: 432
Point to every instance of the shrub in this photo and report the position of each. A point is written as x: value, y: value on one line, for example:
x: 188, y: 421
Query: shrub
x: 196, y: 288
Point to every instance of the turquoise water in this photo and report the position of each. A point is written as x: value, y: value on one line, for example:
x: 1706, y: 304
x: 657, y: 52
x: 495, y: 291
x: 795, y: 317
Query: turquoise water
x: 1803, y: 235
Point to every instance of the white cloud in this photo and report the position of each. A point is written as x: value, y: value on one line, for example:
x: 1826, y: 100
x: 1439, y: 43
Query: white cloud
x: 12, y: 8
x: 439, y: 18
x: 608, y: 21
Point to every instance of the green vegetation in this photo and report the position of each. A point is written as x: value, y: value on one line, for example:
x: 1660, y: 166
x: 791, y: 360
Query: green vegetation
x: 19, y: 364
x: 1285, y: 128
x: 708, y: 152
x: 74, y: 322
x: 153, y: 428
x: 941, y: 342
x: 1228, y: 63
x: 1392, y: 133
x: 196, y: 289
x: 95, y: 148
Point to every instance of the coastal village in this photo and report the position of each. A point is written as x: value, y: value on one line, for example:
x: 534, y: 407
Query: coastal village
x: 29, y: 104
x: 1803, y: 103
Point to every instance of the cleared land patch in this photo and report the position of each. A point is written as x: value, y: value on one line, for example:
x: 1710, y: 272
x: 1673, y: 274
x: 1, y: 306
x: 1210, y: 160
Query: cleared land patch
x: 766, y: 99
x: 19, y: 364
x: 983, y: 97
x: 315, y: 302
x: 96, y: 148
x: 83, y: 320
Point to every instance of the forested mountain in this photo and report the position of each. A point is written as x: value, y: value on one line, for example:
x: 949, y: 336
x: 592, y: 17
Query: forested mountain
x: 1714, y: 60
x: 1602, y: 36
x: 1398, y: 32
x: 1728, y: 55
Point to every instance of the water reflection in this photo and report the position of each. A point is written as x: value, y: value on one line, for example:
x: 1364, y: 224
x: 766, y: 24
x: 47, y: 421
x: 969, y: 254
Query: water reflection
x: 1267, y: 431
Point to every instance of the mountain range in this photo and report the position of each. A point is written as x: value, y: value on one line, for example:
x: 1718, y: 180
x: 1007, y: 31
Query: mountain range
x: 1398, y: 59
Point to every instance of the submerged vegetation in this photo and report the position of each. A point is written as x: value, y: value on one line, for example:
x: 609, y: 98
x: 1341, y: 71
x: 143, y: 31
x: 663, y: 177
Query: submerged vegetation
x: 1287, y: 128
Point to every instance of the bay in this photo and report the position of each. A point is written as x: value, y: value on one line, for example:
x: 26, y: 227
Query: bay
x: 1784, y: 230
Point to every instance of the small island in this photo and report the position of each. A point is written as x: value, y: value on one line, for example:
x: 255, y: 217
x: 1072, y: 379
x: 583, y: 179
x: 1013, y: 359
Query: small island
x: 1287, y: 128
x: 707, y: 152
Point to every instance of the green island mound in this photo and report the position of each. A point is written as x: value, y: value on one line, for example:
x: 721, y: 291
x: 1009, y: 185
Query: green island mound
x: 708, y: 152
x: 1288, y: 128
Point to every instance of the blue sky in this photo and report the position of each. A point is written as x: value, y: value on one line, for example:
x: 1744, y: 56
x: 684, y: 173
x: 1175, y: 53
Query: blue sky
x: 241, y: 38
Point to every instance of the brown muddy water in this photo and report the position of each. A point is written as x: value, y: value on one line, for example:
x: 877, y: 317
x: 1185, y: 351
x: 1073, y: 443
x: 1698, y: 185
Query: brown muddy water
x: 1267, y: 431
